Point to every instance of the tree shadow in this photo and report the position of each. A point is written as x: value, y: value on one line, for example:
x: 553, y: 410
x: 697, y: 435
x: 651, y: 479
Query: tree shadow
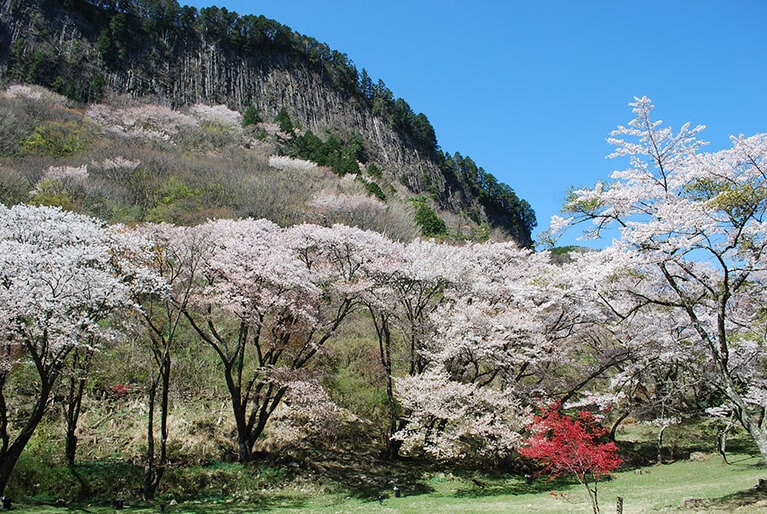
x: 514, y: 486
x: 741, y: 499
x: 257, y: 504
x: 366, y: 477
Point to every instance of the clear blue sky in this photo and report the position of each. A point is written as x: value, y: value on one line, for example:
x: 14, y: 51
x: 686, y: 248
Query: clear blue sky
x: 530, y: 90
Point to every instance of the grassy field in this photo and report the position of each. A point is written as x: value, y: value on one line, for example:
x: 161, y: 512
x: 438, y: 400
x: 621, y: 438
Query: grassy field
x: 702, y: 485
x: 665, y: 487
x: 692, y: 479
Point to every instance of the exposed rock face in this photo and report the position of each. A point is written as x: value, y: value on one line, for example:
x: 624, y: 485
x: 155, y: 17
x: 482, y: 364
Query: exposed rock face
x: 59, y: 46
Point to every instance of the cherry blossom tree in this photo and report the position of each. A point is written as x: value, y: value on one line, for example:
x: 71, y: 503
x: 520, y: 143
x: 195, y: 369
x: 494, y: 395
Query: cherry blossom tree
x: 247, y: 277
x: 173, y: 254
x: 493, y: 336
x: 691, y: 238
x: 129, y: 262
x: 589, y: 343
x: 268, y: 301
x: 450, y: 420
x: 663, y: 382
x: 408, y: 282
x: 635, y: 365
x: 571, y: 446
x: 427, y: 270
x: 497, y: 326
x: 58, y: 283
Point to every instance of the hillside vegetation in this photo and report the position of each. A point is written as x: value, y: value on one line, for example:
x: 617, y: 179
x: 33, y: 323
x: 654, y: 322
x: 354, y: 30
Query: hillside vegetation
x: 160, y: 53
x: 146, y: 162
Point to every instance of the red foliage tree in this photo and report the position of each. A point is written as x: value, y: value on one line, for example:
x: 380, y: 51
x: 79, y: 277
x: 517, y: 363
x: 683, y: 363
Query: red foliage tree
x: 571, y: 446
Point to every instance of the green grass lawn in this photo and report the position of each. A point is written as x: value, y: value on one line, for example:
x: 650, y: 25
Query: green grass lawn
x: 684, y: 486
x: 664, y: 487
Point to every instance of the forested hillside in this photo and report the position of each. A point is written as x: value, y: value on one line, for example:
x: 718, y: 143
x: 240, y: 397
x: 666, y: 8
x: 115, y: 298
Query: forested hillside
x: 157, y: 52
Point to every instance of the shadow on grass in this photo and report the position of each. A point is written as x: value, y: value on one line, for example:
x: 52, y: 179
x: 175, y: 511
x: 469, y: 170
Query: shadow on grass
x: 684, y: 441
x: 201, y: 505
x: 56, y: 484
x: 746, y: 461
x: 741, y: 499
x: 514, y: 486
x: 367, y: 478
x: 258, y: 504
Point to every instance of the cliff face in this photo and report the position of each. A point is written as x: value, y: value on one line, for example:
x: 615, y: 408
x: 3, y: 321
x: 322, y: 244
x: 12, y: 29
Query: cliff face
x: 270, y: 83
x: 94, y: 54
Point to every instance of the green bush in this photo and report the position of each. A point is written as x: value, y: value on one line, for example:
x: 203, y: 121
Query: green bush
x: 341, y: 158
x: 14, y: 188
x: 373, y: 189
x: 250, y: 117
x: 174, y: 198
x: 426, y: 218
x: 58, y: 139
x: 374, y: 171
x: 52, y: 193
x: 283, y: 119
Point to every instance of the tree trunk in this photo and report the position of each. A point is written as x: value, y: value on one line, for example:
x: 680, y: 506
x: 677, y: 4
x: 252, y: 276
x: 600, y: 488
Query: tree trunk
x: 718, y: 349
x: 385, y: 349
x: 233, y: 363
x: 154, y: 469
x: 751, y: 425
x: 660, y: 443
x: 70, y: 449
x: 261, y: 410
x: 164, y: 406
x: 244, y: 451
x: 74, y: 400
x: 147, y: 488
x: 617, y: 424
x: 721, y: 441
x: 592, y: 494
x: 72, y: 415
x: 758, y: 436
x: 381, y: 322
x: 10, y: 456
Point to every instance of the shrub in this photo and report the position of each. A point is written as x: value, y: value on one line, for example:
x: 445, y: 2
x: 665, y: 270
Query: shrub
x: 372, y: 189
x: 374, y: 171
x: 51, y: 192
x: 572, y: 446
x: 426, y: 218
x: 58, y: 139
x: 283, y: 119
x: 16, y: 124
x: 251, y: 117
x: 14, y: 187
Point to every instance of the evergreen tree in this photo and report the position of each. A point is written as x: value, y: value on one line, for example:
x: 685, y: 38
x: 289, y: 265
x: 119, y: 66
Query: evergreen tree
x: 425, y: 217
x: 251, y: 117
x: 283, y: 119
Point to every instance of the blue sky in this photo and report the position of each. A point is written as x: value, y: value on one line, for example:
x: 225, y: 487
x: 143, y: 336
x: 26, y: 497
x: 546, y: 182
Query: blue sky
x: 531, y: 90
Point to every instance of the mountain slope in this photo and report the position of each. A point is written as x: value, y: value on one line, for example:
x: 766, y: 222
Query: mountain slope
x: 160, y: 52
